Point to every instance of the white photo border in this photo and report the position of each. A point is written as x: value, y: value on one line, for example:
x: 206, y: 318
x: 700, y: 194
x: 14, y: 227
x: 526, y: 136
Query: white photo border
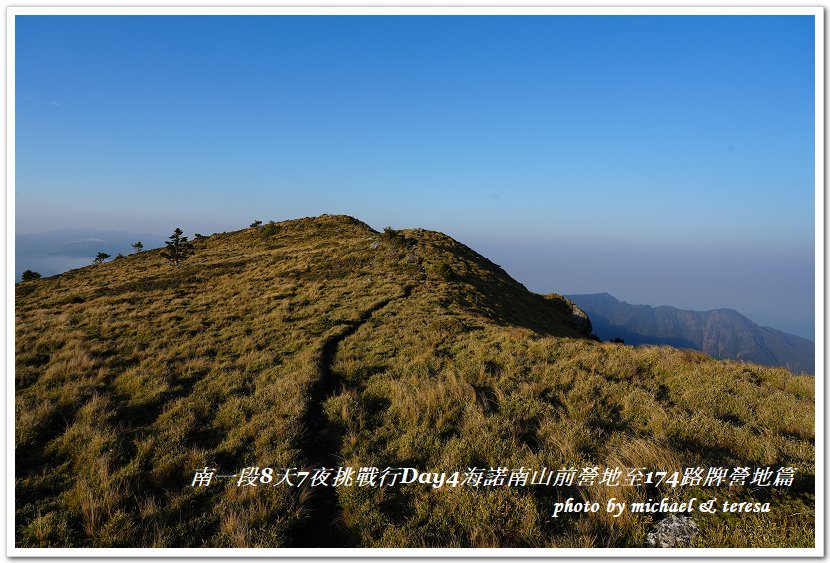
x: 413, y: 8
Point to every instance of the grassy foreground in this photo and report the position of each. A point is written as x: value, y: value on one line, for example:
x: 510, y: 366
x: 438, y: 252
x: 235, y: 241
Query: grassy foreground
x: 321, y: 341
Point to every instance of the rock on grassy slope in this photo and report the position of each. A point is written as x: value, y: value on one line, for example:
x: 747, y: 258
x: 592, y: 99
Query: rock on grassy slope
x: 322, y: 342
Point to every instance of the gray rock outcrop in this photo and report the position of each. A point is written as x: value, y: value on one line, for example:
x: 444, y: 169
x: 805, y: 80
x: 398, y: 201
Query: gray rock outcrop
x: 580, y: 320
x: 674, y: 531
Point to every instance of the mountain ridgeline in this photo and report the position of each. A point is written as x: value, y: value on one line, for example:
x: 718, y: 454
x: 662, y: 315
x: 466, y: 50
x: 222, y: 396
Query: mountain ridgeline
x: 721, y: 333
x: 322, y: 343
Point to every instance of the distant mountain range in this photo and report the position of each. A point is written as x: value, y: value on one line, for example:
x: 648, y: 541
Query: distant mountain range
x: 720, y: 333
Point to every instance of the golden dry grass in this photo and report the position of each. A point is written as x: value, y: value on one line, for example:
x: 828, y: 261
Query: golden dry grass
x: 133, y: 374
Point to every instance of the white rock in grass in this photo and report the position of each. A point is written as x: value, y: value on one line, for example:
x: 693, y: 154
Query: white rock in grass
x: 674, y: 531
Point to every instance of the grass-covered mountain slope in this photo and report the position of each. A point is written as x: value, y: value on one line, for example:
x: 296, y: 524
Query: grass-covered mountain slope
x: 721, y: 333
x: 322, y: 342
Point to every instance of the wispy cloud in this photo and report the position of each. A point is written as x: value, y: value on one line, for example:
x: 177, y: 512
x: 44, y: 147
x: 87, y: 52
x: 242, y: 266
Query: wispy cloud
x: 33, y: 100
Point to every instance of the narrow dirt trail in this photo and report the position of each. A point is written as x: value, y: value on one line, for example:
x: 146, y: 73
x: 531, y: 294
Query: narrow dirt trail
x: 321, y: 444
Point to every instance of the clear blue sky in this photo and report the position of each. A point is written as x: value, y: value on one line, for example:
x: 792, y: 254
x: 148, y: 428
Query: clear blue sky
x: 552, y: 144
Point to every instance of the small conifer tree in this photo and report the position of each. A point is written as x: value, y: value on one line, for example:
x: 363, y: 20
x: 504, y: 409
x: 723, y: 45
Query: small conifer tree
x: 178, y: 248
x: 29, y: 275
x: 100, y: 258
x: 138, y: 246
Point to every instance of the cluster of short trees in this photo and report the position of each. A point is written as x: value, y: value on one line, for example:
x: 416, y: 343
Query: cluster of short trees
x: 178, y: 248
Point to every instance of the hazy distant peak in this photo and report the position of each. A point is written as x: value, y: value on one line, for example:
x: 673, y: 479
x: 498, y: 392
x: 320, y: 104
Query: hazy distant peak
x: 721, y: 333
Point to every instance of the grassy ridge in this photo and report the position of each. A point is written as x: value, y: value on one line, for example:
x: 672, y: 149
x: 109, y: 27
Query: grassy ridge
x: 132, y: 374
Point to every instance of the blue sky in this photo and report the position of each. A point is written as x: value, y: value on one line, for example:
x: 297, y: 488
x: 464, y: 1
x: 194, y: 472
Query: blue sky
x: 564, y: 148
